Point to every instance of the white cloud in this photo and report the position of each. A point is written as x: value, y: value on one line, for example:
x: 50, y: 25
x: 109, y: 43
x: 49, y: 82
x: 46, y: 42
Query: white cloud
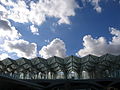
x: 114, y: 45
x: 10, y: 42
x: 34, y: 30
x: 21, y: 47
x: 54, y: 48
x: 100, y: 46
x: 10, y: 37
x: 4, y: 24
x: 47, y: 41
x: 17, y: 12
x: 96, y: 5
x: 7, y: 31
x: 114, y: 31
x: 98, y: 9
x: 37, y: 12
x: 61, y: 9
x: 93, y: 46
x: 3, y: 12
x: 4, y: 56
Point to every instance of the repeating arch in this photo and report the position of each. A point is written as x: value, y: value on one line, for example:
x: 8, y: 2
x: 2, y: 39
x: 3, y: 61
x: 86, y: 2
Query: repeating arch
x: 90, y: 67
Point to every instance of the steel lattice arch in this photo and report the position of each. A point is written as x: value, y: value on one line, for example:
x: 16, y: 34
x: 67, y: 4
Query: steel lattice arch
x: 88, y: 67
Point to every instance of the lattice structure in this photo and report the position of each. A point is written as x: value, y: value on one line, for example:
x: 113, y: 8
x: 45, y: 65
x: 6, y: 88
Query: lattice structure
x: 88, y: 67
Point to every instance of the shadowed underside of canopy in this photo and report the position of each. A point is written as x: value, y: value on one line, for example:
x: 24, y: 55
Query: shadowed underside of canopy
x: 88, y: 67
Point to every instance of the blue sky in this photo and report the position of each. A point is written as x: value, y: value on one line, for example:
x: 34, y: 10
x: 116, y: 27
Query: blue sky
x: 46, y: 28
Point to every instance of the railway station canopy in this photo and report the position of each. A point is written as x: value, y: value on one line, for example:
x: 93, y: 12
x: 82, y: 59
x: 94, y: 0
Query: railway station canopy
x: 87, y: 67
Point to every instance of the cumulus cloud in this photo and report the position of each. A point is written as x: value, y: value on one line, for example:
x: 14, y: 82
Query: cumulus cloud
x: 36, y: 12
x: 4, y: 56
x: 100, y: 46
x: 34, y: 30
x: 10, y: 42
x: 54, y: 48
x: 21, y: 47
x: 93, y: 46
x: 5, y: 25
x: 7, y: 31
x: 114, y: 45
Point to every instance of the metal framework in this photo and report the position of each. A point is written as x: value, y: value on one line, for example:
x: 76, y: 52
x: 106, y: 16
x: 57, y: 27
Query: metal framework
x: 88, y: 67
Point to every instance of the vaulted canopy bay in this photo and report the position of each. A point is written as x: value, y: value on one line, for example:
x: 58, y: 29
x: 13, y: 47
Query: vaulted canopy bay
x: 71, y: 67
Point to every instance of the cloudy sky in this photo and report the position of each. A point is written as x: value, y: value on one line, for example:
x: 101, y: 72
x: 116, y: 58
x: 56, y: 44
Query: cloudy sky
x: 46, y: 28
